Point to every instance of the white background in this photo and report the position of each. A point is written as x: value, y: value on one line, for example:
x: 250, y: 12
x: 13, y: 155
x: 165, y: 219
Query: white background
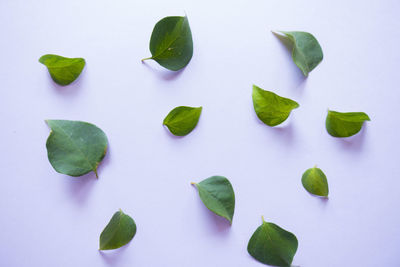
x: 50, y: 219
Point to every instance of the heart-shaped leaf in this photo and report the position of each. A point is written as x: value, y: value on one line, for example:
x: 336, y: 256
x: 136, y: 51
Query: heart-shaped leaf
x: 306, y: 53
x: 75, y: 147
x: 271, y: 108
x: 118, y: 232
x: 340, y: 124
x: 217, y: 195
x: 182, y: 120
x: 315, y: 182
x: 63, y: 70
x: 171, y: 43
x: 272, y: 245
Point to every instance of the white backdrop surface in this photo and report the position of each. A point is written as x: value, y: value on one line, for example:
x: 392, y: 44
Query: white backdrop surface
x: 50, y: 219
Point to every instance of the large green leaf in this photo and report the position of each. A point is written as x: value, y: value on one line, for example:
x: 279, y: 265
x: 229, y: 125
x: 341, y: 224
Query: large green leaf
x: 63, y: 70
x: 340, y: 124
x: 315, y: 182
x: 118, y: 232
x: 272, y: 245
x: 75, y: 147
x: 217, y: 195
x: 306, y: 53
x: 271, y: 108
x: 182, y: 120
x: 171, y: 43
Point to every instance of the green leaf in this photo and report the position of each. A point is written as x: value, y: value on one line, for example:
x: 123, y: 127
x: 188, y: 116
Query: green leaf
x: 272, y: 245
x: 315, y: 182
x: 75, y: 147
x: 217, y: 195
x: 182, y: 120
x: 171, y: 43
x: 307, y: 52
x: 340, y: 124
x: 63, y: 70
x: 118, y: 232
x: 271, y: 108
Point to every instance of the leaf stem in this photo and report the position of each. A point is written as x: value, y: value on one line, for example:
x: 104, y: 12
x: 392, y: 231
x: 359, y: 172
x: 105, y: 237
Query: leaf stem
x: 147, y: 58
x: 192, y: 183
x: 262, y: 218
x: 95, y: 172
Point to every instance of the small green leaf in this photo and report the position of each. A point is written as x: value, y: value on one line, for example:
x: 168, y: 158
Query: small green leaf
x: 118, y: 232
x: 272, y: 245
x: 217, y: 195
x: 271, y: 108
x: 315, y: 182
x: 63, y: 70
x: 75, y: 147
x: 171, y: 43
x: 306, y: 53
x: 340, y: 124
x: 182, y: 120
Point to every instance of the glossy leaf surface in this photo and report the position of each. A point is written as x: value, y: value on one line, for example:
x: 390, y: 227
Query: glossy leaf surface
x: 272, y: 245
x: 182, y: 120
x: 75, y: 147
x: 118, y: 232
x: 340, y: 124
x: 217, y: 195
x: 315, y: 182
x: 63, y: 70
x: 271, y: 108
x: 171, y: 43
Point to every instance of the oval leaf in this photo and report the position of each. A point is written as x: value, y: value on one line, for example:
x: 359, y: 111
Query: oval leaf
x: 340, y: 124
x: 272, y: 245
x: 118, y: 232
x: 182, y: 120
x: 306, y: 53
x: 75, y: 147
x: 271, y: 108
x: 217, y: 195
x: 315, y: 182
x: 63, y: 70
x: 171, y: 43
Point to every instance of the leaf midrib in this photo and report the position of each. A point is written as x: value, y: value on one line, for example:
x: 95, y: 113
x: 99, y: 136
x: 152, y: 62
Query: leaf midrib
x: 77, y: 147
x: 219, y: 202
x: 169, y: 45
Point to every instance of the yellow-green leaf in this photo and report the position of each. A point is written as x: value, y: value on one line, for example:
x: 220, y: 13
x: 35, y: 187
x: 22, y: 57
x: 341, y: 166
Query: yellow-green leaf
x: 63, y: 70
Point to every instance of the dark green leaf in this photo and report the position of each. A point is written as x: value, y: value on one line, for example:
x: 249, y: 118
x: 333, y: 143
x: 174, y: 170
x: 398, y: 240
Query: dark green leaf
x: 75, y: 147
x: 171, y: 43
x: 307, y: 52
x: 315, y: 182
x: 272, y: 245
x: 63, y: 70
x: 118, y: 232
x: 340, y: 124
x: 271, y: 108
x: 217, y: 195
x: 182, y: 120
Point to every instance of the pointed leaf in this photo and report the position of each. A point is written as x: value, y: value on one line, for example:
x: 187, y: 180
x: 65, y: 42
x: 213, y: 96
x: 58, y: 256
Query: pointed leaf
x: 340, y: 124
x: 75, y: 147
x: 306, y: 53
x: 182, y: 120
x: 271, y: 108
x: 272, y: 245
x: 118, y: 232
x: 217, y: 195
x: 315, y: 182
x: 171, y: 43
x: 63, y: 70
